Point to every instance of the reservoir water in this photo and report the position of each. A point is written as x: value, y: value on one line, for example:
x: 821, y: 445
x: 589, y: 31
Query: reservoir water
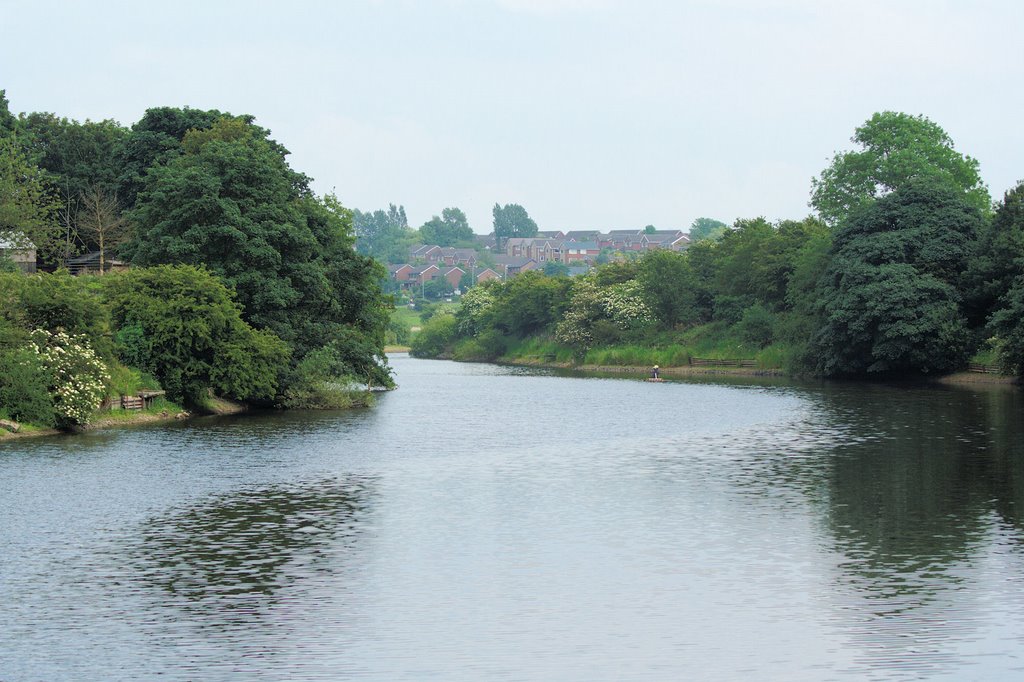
x: 493, y: 523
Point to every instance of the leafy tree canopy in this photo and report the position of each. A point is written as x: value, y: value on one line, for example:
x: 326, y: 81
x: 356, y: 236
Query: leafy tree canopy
x: 230, y: 202
x: 888, y: 298
x: 185, y: 328
x: 999, y: 257
x: 80, y: 156
x: 447, y: 230
x: 384, y: 235
x: 895, y: 148
x: 155, y: 139
x: 28, y: 207
x: 7, y: 119
x: 512, y: 220
x: 706, y: 228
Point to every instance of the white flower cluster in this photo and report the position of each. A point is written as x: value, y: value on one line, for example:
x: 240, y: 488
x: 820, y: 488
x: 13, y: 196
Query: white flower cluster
x: 622, y: 304
x: 78, y: 377
x: 475, y: 304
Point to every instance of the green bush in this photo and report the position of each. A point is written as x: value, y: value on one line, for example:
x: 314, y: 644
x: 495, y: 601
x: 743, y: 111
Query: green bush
x: 25, y: 388
x: 193, y: 336
x: 756, y: 326
x: 434, y: 337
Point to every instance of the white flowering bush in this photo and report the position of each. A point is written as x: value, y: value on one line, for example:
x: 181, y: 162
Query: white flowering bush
x: 476, y: 303
x: 624, y: 305
x: 621, y: 305
x: 78, y: 378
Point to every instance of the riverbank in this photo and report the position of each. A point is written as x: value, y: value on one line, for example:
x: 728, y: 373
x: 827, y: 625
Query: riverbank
x: 213, y: 406
x: 955, y: 379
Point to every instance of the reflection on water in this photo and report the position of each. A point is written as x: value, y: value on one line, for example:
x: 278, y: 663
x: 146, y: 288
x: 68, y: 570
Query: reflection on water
x: 239, y: 551
x: 498, y: 523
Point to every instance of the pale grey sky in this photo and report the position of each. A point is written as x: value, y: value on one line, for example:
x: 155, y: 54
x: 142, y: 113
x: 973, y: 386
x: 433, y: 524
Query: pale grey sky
x: 590, y: 113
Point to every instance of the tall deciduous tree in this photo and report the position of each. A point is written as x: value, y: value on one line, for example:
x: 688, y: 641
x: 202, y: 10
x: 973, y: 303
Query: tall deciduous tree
x: 28, y: 207
x: 100, y: 221
x: 706, y: 228
x: 896, y: 149
x: 512, y: 220
x: 80, y: 156
x: 889, y: 299
x: 448, y: 229
x: 384, y: 235
x: 231, y: 202
x: 999, y: 257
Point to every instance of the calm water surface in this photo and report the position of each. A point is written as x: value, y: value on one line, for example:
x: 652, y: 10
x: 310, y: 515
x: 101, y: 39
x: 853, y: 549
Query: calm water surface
x: 493, y: 523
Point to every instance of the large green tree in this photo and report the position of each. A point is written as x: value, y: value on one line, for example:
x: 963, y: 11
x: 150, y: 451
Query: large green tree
x: 182, y: 324
x: 448, y: 229
x: 706, y: 228
x: 28, y: 204
x: 156, y: 139
x: 231, y: 202
x: 889, y: 299
x: 80, y: 156
x: 669, y: 287
x: 999, y: 257
x: 895, y: 149
x: 512, y: 220
x: 384, y: 235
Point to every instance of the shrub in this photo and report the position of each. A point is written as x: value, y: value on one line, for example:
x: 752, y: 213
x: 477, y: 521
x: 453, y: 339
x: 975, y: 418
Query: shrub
x: 756, y: 326
x: 25, y: 387
x: 192, y: 334
x: 435, y: 336
x: 77, y: 377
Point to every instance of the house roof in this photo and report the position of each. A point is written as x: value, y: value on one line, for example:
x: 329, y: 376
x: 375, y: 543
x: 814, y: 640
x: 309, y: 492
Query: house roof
x: 513, y: 261
x: 551, y: 234
x: 624, y: 233
x: 582, y: 234
x: 582, y: 246
x: 395, y: 268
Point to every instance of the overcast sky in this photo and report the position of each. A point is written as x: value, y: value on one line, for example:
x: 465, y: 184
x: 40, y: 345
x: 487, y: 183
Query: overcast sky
x: 594, y: 114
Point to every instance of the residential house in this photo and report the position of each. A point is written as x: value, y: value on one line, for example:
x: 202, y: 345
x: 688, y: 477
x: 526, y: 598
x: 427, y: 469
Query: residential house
x: 575, y: 252
x: 19, y: 250
x: 485, y: 274
x: 424, y: 273
x: 582, y: 235
x: 510, y: 266
x: 454, y: 276
x: 400, y: 273
x: 430, y: 253
x: 518, y: 247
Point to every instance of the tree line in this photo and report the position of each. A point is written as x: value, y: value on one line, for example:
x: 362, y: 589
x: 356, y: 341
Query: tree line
x: 387, y: 236
x: 906, y: 268
x: 243, y: 280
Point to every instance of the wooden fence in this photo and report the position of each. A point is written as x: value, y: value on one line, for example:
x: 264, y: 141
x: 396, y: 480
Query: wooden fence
x: 710, y: 362
x: 982, y: 369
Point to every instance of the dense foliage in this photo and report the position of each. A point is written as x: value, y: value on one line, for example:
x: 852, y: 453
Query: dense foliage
x: 895, y: 149
x: 266, y: 274
x: 181, y: 324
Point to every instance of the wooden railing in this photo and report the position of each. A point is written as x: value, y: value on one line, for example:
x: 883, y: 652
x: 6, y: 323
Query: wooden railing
x: 982, y: 369
x: 712, y: 362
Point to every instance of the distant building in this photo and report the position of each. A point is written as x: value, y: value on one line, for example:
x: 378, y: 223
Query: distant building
x: 19, y: 250
x: 90, y: 263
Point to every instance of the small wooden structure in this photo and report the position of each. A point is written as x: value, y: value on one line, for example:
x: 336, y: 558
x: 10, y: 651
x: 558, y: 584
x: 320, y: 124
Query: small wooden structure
x: 708, y: 362
x: 142, y: 401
